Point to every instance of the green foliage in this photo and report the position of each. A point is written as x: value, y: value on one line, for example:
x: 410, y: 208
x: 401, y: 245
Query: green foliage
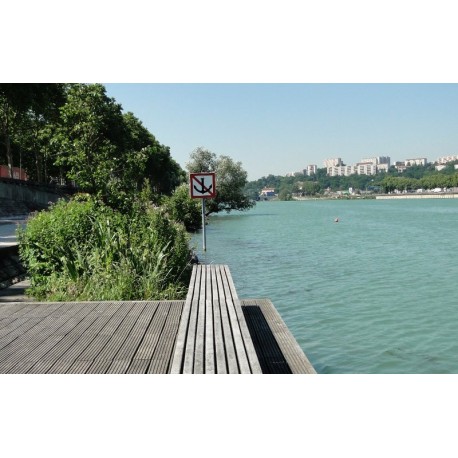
x: 107, y: 152
x: 183, y: 209
x: 231, y: 180
x: 23, y: 109
x: 85, y: 250
x: 428, y: 181
x: 76, y: 134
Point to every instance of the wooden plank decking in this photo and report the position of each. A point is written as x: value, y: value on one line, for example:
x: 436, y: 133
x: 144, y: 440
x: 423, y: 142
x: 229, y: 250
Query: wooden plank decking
x: 91, y: 337
x: 213, y: 335
x: 212, y: 332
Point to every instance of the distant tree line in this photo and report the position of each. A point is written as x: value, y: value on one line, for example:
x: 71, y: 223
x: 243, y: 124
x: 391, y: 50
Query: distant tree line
x: 415, y: 177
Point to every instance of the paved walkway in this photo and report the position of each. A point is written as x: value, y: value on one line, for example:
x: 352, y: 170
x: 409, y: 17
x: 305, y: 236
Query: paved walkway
x: 8, y: 226
x: 16, y: 293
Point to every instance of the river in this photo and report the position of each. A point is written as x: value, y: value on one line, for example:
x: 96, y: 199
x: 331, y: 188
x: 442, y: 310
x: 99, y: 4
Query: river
x: 372, y: 293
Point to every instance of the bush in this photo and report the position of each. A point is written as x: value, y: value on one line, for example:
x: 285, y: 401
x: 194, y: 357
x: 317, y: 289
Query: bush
x: 183, y: 209
x: 84, y: 250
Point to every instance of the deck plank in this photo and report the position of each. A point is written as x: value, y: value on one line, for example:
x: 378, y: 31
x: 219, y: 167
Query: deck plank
x: 231, y: 356
x: 163, y: 351
x: 199, y: 348
x: 209, y: 366
x: 276, y: 328
x: 220, y: 353
x: 178, y: 357
x: 188, y: 364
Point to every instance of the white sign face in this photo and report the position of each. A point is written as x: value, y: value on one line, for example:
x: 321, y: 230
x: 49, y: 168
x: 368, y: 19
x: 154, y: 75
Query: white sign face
x: 202, y: 185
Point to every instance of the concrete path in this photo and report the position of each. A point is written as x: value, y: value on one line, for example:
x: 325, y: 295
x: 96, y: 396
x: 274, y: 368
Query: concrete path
x: 8, y: 226
x: 15, y: 293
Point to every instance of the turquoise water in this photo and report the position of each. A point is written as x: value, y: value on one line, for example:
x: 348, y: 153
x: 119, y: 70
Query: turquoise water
x: 374, y: 293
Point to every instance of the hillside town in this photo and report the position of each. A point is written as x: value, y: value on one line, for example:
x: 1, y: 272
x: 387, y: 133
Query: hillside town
x: 350, y: 179
x: 371, y: 166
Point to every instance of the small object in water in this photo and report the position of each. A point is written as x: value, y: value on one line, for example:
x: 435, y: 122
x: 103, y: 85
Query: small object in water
x: 336, y: 220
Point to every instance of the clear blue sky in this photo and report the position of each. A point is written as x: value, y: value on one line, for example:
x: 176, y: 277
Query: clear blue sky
x: 281, y: 128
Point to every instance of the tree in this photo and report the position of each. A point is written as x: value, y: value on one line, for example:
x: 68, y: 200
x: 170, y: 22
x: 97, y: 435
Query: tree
x: 21, y: 103
x: 231, y: 179
x: 89, y: 137
x: 110, y: 153
x: 164, y: 173
x: 311, y: 188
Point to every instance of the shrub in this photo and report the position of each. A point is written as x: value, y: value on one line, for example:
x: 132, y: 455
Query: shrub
x: 183, y: 209
x: 84, y: 250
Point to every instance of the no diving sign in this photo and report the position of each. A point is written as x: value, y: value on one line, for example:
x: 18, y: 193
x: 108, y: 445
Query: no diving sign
x: 203, y: 185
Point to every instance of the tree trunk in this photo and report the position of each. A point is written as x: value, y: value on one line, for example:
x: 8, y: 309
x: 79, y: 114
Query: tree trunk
x: 9, y: 154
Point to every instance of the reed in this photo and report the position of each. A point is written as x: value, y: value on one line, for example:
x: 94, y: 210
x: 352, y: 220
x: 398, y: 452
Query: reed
x: 141, y: 255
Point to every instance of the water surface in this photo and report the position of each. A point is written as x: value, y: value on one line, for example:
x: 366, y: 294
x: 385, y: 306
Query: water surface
x: 374, y: 293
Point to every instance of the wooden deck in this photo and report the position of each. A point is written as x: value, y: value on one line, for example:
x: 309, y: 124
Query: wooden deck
x: 213, y: 335
x: 212, y: 332
x: 91, y: 337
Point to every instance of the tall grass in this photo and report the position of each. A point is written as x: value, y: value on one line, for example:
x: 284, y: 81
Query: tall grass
x: 139, y: 256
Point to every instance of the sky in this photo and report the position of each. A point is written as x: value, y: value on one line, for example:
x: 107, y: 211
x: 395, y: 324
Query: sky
x: 281, y: 128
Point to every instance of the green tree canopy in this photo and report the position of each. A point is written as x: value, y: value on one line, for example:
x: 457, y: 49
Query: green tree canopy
x: 231, y: 179
x: 107, y: 152
x: 24, y: 110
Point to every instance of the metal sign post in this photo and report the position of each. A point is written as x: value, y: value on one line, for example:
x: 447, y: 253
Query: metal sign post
x: 204, y: 237
x: 203, y: 186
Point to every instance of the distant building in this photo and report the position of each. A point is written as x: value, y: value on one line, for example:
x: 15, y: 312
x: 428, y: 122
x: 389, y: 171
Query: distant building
x: 310, y: 170
x: 336, y: 162
x: 400, y: 166
x: 366, y: 168
x: 378, y: 160
x: 267, y: 193
x: 383, y: 167
x: 445, y: 159
x: 342, y: 170
x: 418, y: 161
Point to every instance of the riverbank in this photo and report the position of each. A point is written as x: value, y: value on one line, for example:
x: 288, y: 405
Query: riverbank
x: 418, y: 196
x: 432, y: 195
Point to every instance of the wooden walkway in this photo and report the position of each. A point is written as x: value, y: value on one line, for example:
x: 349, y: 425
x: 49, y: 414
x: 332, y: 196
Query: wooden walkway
x: 212, y: 332
x: 213, y: 335
x: 91, y: 337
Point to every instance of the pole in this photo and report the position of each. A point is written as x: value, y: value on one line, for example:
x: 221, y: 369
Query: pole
x: 204, y: 246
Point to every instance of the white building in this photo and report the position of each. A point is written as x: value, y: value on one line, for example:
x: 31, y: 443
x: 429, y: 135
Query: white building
x: 342, y: 170
x: 366, y: 168
x: 267, y: 193
x: 311, y: 170
x: 400, y: 166
x: 383, y: 167
x: 445, y: 159
x: 378, y: 160
x: 336, y: 162
x: 417, y: 161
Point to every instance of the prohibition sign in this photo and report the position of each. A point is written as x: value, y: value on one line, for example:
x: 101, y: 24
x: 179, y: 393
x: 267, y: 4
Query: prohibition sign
x: 203, y: 185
